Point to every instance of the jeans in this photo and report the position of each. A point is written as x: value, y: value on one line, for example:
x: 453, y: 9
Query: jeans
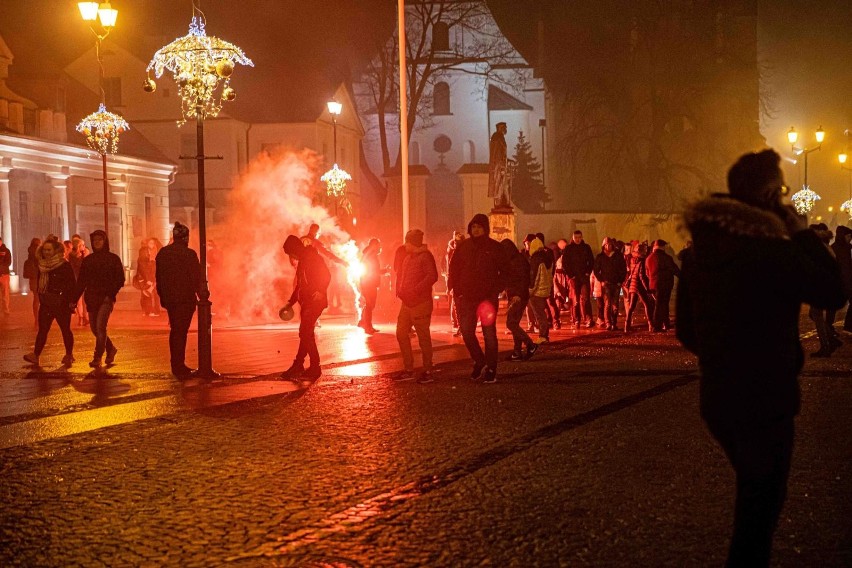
x: 760, y: 455
x: 609, y: 300
x: 467, y: 319
x: 539, y: 308
x: 579, y: 287
x: 513, y: 324
x: 308, y: 317
x: 46, y: 315
x: 180, y: 318
x: 419, y: 316
x: 98, y: 319
x: 370, y: 294
x: 633, y: 301
x: 662, y: 299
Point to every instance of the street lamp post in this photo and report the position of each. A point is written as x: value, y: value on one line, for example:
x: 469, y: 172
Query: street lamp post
x: 805, y: 198
x: 842, y: 158
x: 335, y: 179
x: 101, y: 128
x: 200, y: 65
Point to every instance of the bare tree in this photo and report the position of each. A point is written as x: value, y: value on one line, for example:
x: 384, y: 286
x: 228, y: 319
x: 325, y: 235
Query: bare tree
x: 479, y: 49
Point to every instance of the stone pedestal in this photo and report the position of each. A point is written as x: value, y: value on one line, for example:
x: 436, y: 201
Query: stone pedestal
x: 502, y: 219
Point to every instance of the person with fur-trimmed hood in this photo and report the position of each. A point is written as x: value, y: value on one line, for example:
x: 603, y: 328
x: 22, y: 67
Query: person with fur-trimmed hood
x: 541, y: 286
x: 476, y: 277
x: 311, y: 293
x: 101, y: 278
x: 753, y: 263
x: 416, y: 273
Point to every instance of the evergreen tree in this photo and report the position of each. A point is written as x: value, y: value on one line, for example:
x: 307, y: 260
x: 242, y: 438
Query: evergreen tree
x: 528, y: 191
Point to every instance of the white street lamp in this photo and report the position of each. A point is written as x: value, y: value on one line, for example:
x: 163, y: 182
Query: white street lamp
x: 335, y: 179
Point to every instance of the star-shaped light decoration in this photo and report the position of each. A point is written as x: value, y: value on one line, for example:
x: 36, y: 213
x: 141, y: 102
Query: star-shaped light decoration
x: 804, y: 200
x: 847, y: 207
x: 102, y: 129
x: 200, y: 64
x: 335, y: 181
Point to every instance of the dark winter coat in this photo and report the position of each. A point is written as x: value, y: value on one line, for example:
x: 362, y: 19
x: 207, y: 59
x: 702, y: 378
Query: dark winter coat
x: 312, y: 276
x: 101, y: 276
x: 610, y: 269
x: 177, y: 274
x: 843, y: 252
x: 517, y: 272
x: 637, y: 277
x: 62, y: 285
x: 477, y: 271
x: 739, y: 302
x: 578, y: 260
x: 661, y: 269
x: 416, y: 272
x: 5, y: 260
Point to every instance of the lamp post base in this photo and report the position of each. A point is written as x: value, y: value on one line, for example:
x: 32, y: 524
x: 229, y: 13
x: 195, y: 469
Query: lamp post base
x: 205, y: 341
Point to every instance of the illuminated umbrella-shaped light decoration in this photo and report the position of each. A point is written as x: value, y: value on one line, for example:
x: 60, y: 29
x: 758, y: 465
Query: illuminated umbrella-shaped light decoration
x: 847, y: 207
x: 199, y: 63
x: 335, y: 181
x: 102, y: 130
x: 804, y: 200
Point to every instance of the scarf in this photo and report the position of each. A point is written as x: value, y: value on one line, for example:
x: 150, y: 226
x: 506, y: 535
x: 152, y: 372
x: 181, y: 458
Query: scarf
x: 46, y: 265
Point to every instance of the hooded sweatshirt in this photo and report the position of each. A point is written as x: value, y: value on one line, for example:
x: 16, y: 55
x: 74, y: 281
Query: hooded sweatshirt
x: 312, y: 274
x: 541, y: 269
x: 517, y: 271
x: 177, y: 274
x: 101, y: 275
x: 416, y: 272
x: 477, y: 271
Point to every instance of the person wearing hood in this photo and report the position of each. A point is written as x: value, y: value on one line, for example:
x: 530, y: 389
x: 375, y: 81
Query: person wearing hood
x: 458, y: 237
x: 541, y: 286
x: 56, y: 287
x: 178, y: 275
x: 101, y: 278
x: 578, y: 262
x: 310, y: 291
x: 842, y: 248
x: 610, y: 270
x: 416, y: 273
x: 752, y: 255
x: 476, y: 278
x: 518, y: 294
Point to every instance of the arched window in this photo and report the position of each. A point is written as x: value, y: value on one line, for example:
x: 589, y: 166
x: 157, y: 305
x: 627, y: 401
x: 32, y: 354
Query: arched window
x: 440, y: 36
x: 441, y: 99
x: 469, y: 152
x: 414, y: 153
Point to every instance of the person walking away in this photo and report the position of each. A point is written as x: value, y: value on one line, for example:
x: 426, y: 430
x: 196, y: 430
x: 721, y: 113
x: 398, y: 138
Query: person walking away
x: 101, y: 278
x: 518, y: 294
x: 476, y: 278
x: 177, y: 274
x: 369, y: 283
x: 416, y: 273
x: 842, y: 247
x: 5, y: 277
x: 458, y: 237
x: 637, y: 287
x: 752, y: 255
x: 541, y: 286
x: 311, y: 293
x: 610, y: 270
x: 661, y: 270
x: 827, y: 342
x: 56, y: 287
x: 578, y: 263
x: 31, y: 274
x: 75, y: 259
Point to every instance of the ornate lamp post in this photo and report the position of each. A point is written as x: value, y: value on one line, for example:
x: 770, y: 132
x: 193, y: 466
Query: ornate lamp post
x: 805, y: 198
x: 201, y: 66
x: 101, y: 128
x: 842, y: 158
x: 335, y: 179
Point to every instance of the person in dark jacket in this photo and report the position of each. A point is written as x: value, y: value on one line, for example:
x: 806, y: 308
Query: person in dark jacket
x: 5, y: 271
x: 101, y: 278
x: 638, y: 287
x: 610, y: 270
x: 416, y: 273
x: 458, y: 237
x: 661, y: 270
x: 476, y: 278
x: 518, y: 294
x: 178, y: 275
x: 578, y: 262
x: 31, y: 274
x: 369, y: 283
x: 56, y: 287
x: 828, y: 342
x: 311, y: 293
x: 752, y: 255
x: 843, y: 252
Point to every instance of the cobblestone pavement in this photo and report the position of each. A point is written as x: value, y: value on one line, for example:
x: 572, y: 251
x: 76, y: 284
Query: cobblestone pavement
x: 591, y: 454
